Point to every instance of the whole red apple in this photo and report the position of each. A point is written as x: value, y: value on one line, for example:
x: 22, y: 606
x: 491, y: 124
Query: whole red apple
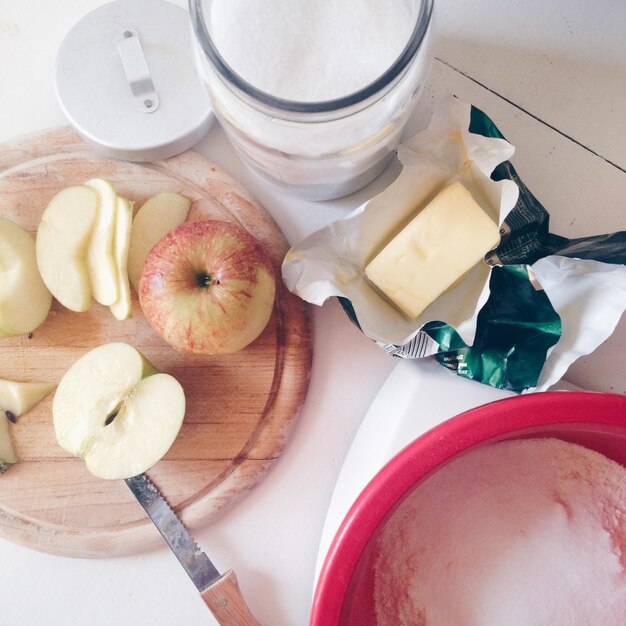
x: 208, y: 287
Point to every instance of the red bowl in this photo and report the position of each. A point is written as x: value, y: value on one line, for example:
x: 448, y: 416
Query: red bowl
x: 344, y: 593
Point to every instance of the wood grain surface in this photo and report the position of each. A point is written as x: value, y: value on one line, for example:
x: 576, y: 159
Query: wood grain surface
x: 240, y: 407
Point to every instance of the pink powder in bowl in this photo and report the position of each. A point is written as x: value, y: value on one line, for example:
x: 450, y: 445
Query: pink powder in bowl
x: 518, y: 533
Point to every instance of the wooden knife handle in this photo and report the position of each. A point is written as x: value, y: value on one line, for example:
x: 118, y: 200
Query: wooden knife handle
x: 225, y: 601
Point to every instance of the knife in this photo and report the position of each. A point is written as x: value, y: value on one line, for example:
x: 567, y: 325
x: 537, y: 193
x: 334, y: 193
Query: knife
x: 220, y: 593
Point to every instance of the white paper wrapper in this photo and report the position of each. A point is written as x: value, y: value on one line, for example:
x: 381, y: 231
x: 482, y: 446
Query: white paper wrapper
x: 590, y: 298
x: 331, y: 261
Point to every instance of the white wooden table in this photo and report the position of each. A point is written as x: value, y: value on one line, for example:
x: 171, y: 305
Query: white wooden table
x: 553, y: 77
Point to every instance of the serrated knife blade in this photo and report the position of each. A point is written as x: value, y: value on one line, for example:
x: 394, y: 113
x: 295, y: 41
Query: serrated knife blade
x: 220, y: 593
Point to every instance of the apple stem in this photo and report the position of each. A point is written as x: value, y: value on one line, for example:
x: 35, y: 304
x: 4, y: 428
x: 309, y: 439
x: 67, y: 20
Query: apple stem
x: 206, y: 280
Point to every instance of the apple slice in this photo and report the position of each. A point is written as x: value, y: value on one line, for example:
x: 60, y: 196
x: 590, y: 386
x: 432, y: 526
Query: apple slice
x: 115, y: 411
x: 63, y: 239
x: 122, y: 308
x: 7, y: 453
x: 16, y: 398
x: 157, y: 216
x: 100, y: 260
x: 19, y: 397
x: 24, y: 298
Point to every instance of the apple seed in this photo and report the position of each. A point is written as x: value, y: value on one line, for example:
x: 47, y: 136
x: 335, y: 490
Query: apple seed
x: 11, y: 416
x: 111, y: 417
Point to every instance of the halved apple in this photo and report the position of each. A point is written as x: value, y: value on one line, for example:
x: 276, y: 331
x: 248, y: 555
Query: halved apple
x: 122, y: 308
x: 24, y: 298
x: 156, y: 217
x: 19, y: 397
x: 114, y: 410
x: 63, y: 239
x: 7, y: 453
x: 100, y: 262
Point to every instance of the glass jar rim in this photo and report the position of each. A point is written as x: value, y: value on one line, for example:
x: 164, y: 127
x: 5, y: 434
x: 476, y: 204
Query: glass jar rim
x: 325, y: 106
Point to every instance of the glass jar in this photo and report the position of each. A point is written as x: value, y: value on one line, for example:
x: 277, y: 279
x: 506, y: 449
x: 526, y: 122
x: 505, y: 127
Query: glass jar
x: 316, y: 150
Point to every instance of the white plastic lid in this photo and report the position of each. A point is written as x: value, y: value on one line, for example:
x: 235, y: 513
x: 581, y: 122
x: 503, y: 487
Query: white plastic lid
x: 126, y: 81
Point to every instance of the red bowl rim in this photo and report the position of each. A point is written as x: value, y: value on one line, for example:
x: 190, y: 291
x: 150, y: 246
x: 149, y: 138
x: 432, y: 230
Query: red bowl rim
x: 423, y: 455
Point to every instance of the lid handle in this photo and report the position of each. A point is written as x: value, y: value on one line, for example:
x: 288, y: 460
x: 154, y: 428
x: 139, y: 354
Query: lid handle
x: 137, y: 71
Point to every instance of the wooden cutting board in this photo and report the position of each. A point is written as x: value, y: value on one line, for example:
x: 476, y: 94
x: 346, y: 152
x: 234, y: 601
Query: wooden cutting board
x: 240, y: 408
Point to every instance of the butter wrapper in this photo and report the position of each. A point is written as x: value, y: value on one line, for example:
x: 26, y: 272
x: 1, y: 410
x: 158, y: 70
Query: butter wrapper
x: 331, y: 261
x: 517, y: 321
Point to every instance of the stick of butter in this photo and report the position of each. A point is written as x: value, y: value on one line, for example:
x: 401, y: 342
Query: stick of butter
x: 442, y: 242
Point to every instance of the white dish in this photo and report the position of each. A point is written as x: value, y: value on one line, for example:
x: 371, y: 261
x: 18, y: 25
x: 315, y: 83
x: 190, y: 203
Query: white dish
x: 417, y: 395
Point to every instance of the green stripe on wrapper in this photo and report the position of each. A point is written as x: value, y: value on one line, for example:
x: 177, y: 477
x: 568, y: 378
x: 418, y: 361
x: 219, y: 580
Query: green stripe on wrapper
x: 515, y: 329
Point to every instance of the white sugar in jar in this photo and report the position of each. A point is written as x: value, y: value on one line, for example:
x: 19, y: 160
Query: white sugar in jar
x: 314, y: 94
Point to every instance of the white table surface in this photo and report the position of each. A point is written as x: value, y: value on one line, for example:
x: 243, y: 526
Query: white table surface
x: 553, y: 77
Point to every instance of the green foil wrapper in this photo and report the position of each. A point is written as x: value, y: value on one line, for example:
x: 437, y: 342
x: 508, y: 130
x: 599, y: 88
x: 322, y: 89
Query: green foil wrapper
x: 518, y: 325
x: 540, y: 302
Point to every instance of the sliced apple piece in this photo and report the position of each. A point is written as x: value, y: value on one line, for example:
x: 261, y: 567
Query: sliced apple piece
x: 24, y: 298
x: 16, y: 398
x: 115, y: 411
x: 19, y: 397
x: 122, y: 308
x: 63, y: 239
x: 7, y: 453
x: 100, y: 262
x: 156, y: 217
